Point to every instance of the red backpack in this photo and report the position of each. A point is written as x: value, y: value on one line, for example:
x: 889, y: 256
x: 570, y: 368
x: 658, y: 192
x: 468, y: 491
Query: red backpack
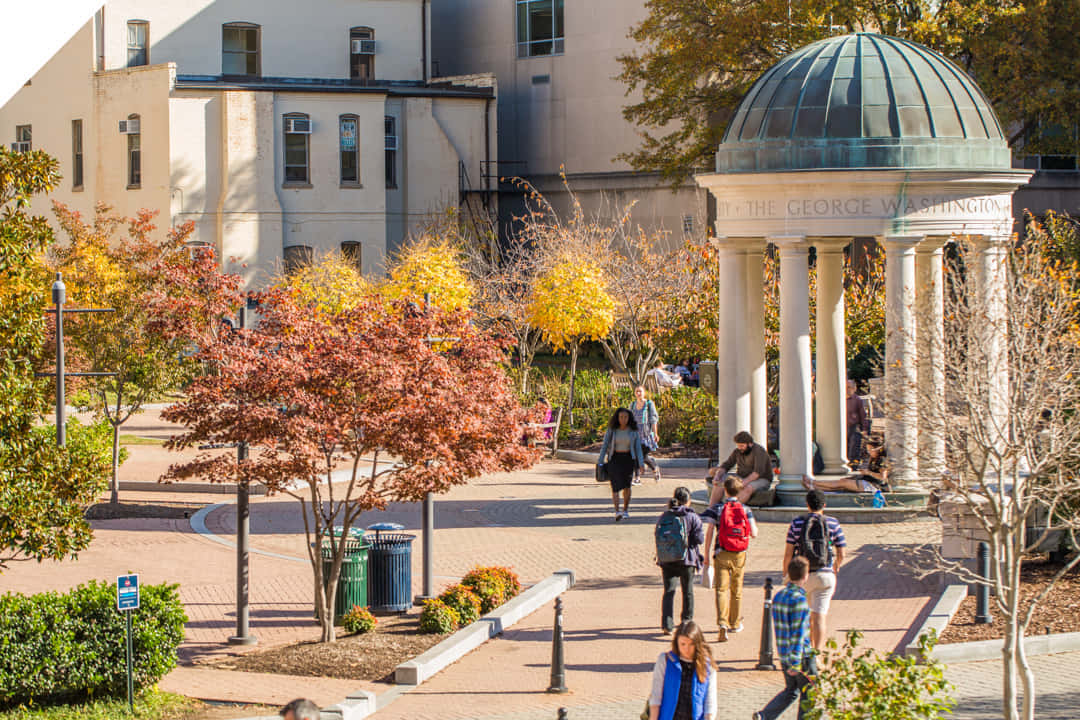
x: 733, y: 528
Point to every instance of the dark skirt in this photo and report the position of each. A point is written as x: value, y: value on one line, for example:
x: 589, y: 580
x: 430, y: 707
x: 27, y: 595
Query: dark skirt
x: 621, y: 471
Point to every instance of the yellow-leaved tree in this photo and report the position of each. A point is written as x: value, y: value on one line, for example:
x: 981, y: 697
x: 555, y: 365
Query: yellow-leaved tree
x: 330, y: 284
x: 430, y: 265
x: 571, y: 303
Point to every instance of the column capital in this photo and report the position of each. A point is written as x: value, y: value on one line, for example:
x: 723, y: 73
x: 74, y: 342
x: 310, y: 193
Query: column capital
x: 750, y: 244
x: 790, y: 245
x: 902, y: 242
x: 985, y: 242
x: 831, y: 244
x: 933, y: 244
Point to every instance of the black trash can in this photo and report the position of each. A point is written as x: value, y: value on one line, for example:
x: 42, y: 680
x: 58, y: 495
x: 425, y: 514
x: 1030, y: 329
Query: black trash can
x: 389, y: 571
x: 352, y: 588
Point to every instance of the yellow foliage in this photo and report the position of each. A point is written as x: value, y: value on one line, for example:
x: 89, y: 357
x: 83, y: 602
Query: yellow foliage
x: 329, y: 285
x: 430, y: 265
x: 570, y: 302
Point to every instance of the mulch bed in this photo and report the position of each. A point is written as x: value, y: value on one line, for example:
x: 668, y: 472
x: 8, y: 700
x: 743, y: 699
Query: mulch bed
x: 1059, y: 611
x: 160, y: 510
x: 371, y: 656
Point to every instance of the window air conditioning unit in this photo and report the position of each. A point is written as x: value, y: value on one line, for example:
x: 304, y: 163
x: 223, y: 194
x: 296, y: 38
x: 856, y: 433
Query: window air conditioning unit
x: 129, y: 127
x: 300, y: 126
x: 391, y: 142
x: 362, y: 47
x: 20, y: 147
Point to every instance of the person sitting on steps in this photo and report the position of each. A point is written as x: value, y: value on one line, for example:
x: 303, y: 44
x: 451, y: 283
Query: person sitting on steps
x: 751, y: 464
x: 873, y: 477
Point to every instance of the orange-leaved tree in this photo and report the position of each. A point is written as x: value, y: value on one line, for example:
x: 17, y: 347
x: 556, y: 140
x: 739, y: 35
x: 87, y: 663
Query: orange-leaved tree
x: 325, y: 401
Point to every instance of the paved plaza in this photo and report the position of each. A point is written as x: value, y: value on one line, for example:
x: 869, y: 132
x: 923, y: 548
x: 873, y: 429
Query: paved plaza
x: 551, y: 517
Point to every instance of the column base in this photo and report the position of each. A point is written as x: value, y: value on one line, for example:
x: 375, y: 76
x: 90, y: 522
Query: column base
x: 243, y: 640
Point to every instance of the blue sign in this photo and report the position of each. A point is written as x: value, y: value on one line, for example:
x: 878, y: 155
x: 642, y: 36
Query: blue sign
x: 127, y: 592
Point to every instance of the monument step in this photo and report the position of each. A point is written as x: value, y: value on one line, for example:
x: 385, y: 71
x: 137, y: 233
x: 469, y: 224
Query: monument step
x: 845, y: 507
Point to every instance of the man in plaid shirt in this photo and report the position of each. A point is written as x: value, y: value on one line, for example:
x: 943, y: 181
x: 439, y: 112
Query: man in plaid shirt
x: 791, y: 621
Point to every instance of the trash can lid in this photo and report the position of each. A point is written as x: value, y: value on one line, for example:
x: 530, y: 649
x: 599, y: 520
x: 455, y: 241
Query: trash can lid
x: 353, y: 531
x: 379, y: 527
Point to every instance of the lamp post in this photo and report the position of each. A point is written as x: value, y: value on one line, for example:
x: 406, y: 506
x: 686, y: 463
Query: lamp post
x: 243, y: 635
x: 427, y: 521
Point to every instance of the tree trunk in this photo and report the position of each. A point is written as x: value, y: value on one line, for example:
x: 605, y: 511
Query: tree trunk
x: 1028, y: 679
x: 573, y: 372
x: 1009, y: 650
x: 114, y: 493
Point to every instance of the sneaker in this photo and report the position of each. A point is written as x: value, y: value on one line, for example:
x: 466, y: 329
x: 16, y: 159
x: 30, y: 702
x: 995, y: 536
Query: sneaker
x: 757, y: 716
x: 656, y: 474
x: 722, y: 637
x: 618, y: 516
x: 637, y: 480
x: 626, y: 514
x: 737, y: 629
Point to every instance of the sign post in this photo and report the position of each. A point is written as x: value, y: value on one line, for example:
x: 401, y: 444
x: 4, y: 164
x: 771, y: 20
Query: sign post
x: 127, y: 601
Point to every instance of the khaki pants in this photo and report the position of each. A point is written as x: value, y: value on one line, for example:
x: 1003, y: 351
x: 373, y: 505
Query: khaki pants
x: 729, y: 580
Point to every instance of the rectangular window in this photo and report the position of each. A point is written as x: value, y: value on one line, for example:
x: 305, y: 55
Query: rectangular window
x: 138, y: 52
x: 539, y: 27
x: 240, y: 50
x: 353, y: 252
x: 361, y: 54
x: 134, y: 152
x: 24, y: 136
x: 390, y: 125
x: 350, y: 151
x: 76, y: 155
x: 297, y: 131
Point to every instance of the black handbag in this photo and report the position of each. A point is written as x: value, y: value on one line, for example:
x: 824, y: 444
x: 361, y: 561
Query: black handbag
x: 602, y: 473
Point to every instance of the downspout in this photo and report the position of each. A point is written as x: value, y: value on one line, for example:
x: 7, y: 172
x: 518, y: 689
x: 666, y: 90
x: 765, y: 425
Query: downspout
x: 423, y: 41
x: 223, y: 180
x: 485, y: 172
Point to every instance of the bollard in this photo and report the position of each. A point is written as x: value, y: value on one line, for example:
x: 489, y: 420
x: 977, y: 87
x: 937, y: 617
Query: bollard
x: 982, y: 590
x: 562, y: 714
x: 558, y: 663
x: 765, y: 653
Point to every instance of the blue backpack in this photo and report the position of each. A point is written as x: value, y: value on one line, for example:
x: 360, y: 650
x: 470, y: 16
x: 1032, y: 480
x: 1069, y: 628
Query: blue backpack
x: 671, y: 538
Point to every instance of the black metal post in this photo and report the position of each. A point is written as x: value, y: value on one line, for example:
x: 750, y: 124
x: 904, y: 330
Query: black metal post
x: 765, y: 652
x: 59, y: 297
x: 243, y: 635
x: 558, y: 661
x: 427, y: 521
x: 982, y: 590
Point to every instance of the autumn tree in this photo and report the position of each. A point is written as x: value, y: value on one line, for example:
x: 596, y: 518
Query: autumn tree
x: 316, y: 395
x: 44, y: 490
x: 1010, y: 430
x: 329, y: 284
x: 696, y: 59
x: 431, y: 265
x: 106, y: 268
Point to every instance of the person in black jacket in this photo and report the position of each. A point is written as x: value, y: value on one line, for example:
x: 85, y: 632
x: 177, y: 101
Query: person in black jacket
x: 680, y: 572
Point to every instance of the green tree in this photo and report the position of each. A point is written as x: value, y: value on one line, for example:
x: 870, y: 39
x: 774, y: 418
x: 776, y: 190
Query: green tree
x: 698, y: 58
x: 43, y: 489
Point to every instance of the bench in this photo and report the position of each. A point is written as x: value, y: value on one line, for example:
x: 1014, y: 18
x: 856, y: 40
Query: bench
x: 622, y: 381
x: 553, y: 426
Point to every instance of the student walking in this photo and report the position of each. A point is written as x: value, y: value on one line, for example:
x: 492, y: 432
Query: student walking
x: 792, y: 626
x: 684, y: 681
x: 621, y: 456
x: 818, y: 539
x: 678, y: 553
x: 734, y: 526
x: 648, y: 422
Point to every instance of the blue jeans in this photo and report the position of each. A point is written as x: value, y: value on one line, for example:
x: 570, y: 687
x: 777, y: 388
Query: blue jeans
x: 792, y: 692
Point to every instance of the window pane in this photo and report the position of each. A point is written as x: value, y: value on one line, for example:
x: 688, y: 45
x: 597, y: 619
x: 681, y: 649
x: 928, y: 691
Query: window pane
x: 348, y: 166
x: 559, y: 18
x: 230, y: 40
x: 348, y: 134
x: 252, y: 64
x: 523, y: 22
x: 251, y: 40
x: 391, y: 169
x: 541, y: 21
x: 295, y: 155
x: 136, y: 57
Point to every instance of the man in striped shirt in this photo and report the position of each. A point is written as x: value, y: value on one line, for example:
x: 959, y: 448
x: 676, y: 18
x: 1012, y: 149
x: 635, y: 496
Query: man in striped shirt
x: 791, y: 621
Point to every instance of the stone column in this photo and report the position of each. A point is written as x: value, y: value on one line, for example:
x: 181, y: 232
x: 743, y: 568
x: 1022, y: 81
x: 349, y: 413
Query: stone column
x: 728, y: 266
x: 795, y: 394
x: 901, y: 389
x: 989, y: 354
x: 830, y: 398
x: 736, y: 346
x: 754, y: 343
x: 930, y: 342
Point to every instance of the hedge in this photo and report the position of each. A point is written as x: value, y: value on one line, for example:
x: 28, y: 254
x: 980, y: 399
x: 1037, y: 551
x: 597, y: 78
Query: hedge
x: 56, y: 647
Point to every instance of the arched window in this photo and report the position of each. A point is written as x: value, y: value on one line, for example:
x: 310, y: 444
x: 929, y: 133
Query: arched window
x: 297, y: 131
x: 361, y: 54
x: 134, y: 151
x: 349, y: 145
x: 240, y: 50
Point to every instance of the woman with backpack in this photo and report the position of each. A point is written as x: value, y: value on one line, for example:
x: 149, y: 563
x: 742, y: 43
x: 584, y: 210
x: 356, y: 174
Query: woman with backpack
x: 648, y: 422
x: 735, y: 526
x: 684, y: 681
x: 621, y: 457
x: 679, y: 535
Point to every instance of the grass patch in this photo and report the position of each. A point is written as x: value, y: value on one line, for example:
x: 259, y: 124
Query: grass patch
x: 149, y: 705
x: 126, y: 439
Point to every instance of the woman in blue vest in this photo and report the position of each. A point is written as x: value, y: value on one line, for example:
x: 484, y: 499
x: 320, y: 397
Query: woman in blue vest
x: 684, y: 681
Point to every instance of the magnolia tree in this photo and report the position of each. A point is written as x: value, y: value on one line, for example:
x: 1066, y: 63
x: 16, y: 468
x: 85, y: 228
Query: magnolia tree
x: 105, y: 269
x: 1011, y: 433
x: 349, y: 411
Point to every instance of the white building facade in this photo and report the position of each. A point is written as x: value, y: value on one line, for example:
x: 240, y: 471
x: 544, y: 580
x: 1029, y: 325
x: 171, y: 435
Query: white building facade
x: 279, y: 129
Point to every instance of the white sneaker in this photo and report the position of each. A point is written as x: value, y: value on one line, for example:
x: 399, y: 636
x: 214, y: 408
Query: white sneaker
x: 626, y: 515
x: 637, y: 480
x: 618, y: 516
x: 736, y: 629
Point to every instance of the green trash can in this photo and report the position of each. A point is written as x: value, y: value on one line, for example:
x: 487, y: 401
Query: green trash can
x: 352, y: 586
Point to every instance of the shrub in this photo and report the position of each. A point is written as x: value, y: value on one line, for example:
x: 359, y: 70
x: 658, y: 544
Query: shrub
x: 437, y: 617
x: 72, y: 646
x: 358, y: 620
x: 489, y: 586
x: 509, y: 578
x: 464, y: 602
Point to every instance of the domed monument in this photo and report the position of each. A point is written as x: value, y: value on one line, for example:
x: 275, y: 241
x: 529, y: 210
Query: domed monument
x: 859, y: 135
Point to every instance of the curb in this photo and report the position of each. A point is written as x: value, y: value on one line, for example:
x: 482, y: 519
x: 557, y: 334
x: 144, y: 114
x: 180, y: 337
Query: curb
x: 580, y: 456
x: 205, y: 488
x: 946, y: 608
x: 421, y: 668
